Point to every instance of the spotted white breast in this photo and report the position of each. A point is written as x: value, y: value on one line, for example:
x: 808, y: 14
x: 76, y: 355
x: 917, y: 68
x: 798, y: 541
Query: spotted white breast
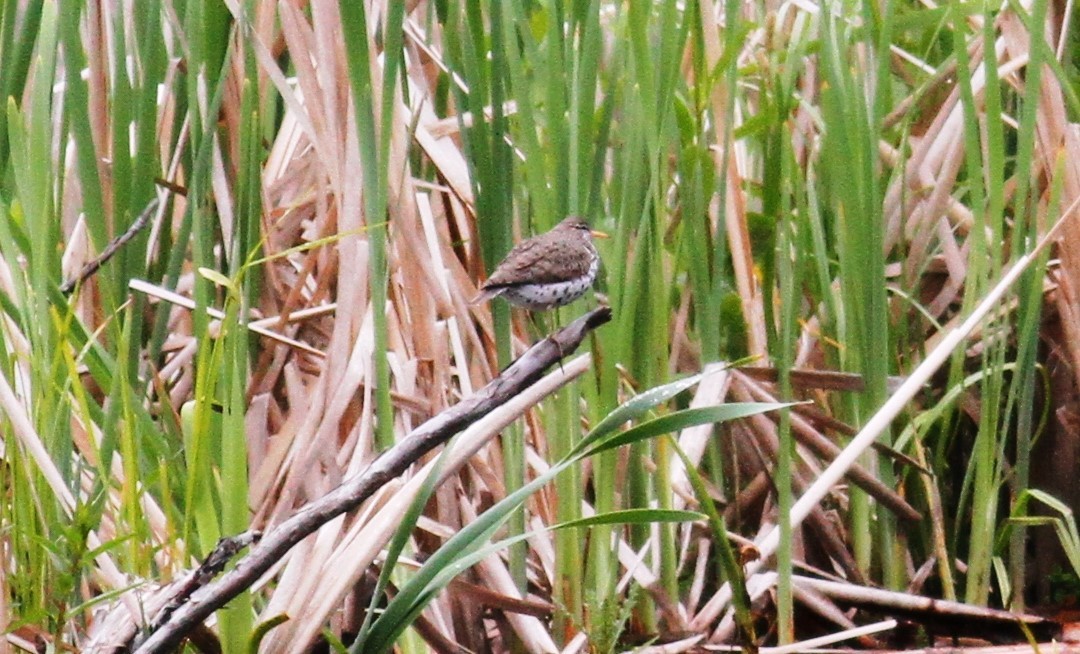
x: 540, y: 297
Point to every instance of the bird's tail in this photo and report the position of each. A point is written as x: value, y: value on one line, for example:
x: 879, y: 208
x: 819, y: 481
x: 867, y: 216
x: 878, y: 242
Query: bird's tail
x: 486, y: 294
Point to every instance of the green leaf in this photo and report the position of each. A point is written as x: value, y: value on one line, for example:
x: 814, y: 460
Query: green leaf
x: 219, y: 279
x: 682, y: 420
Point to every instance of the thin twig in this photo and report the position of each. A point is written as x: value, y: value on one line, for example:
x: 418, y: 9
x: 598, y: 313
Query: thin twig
x: 112, y: 248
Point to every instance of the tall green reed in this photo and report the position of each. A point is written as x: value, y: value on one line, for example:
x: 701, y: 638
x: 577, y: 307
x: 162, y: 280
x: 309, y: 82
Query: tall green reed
x: 851, y: 107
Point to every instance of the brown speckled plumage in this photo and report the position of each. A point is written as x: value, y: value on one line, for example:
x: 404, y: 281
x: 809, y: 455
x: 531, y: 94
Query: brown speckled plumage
x: 547, y: 270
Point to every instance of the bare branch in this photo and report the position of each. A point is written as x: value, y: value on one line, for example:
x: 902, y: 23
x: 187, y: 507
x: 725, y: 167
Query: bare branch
x: 517, y: 377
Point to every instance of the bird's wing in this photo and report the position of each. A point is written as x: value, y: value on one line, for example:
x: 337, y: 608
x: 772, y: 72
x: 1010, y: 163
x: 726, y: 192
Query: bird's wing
x: 527, y: 254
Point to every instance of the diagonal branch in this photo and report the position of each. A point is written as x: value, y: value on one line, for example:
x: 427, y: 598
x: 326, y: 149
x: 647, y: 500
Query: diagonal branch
x: 517, y: 377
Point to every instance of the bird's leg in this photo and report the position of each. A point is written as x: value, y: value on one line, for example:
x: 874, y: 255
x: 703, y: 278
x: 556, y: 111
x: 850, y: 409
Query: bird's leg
x: 541, y: 325
x: 558, y: 345
x: 536, y: 324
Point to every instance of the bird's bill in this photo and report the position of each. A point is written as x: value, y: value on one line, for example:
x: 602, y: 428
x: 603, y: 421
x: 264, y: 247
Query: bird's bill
x: 599, y: 234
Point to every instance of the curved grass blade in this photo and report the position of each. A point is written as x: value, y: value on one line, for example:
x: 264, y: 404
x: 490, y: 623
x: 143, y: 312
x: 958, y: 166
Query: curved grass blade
x: 422, y: 588
x: 681, y: 420
x: 393, y: 623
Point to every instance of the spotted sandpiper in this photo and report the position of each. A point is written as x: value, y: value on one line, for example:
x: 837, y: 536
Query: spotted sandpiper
x: 548, y: 270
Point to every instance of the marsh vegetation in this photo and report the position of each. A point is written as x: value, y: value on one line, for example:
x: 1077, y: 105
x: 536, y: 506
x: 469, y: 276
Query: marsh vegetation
x: 865, y: 209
